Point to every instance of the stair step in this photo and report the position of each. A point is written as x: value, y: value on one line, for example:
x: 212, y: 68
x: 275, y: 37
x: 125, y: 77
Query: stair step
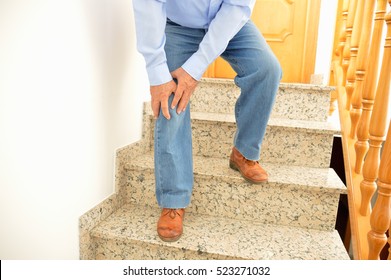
x: 220, y: 95
x: 294, y: 142
x: 292, y: 216
x: 296, y: 196
x: 130, y: 233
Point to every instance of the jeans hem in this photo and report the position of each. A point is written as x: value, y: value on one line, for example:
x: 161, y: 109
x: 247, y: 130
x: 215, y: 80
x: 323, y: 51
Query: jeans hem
x: 174, y: 202
x: 248, y: 152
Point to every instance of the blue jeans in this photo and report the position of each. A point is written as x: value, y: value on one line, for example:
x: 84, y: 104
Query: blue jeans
x: 258, y: 77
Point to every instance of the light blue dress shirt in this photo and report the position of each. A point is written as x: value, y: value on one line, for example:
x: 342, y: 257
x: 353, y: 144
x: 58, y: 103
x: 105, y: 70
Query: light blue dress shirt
x: 221, y: 18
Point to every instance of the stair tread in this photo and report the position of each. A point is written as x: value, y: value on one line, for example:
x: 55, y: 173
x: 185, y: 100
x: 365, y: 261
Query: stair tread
x: 283, y: 232
x: 324, y: 88
x: 293, y: 100
x: 222, y: 237
x: 319, y: 126
x: 321, y: 179
x: 325, y: 127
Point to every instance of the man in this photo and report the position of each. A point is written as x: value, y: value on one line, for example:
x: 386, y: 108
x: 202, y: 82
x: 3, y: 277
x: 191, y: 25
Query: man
x: 179, y: 39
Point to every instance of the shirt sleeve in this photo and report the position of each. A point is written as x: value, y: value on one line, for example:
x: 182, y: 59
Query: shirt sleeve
x: 231, y: 17
x: 150, y: 19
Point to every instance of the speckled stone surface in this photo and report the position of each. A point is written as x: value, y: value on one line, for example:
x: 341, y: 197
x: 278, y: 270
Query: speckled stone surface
x: 290, y: 217
x: 294, y: 142
x: 302, y: 143
x: 297, y: 196
x: 219, y: 96
x: 130, y: 233
x: 100, y: 212
x: 91, y: 219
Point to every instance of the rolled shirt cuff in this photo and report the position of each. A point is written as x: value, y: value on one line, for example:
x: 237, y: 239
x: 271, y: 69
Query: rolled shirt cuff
x: 196, y: 65
x: 159, y: 75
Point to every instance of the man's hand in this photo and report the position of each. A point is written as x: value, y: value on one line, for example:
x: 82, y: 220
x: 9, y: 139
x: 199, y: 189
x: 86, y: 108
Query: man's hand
x: 159, y: 98
x: 185, y: 88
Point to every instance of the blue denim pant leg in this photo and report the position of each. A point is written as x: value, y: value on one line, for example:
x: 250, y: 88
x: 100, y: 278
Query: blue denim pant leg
x: 173, y: 160
x: 258, y: 76
x: 173, y: 141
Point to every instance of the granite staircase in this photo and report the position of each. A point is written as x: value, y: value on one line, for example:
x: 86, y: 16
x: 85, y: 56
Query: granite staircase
x: 292, y: 216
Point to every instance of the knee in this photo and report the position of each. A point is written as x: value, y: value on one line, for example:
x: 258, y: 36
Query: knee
x: 276, y: 68
x: 264, y: 68
x: 178, y: 124
x: 268, y: 73
x: 269, y: 69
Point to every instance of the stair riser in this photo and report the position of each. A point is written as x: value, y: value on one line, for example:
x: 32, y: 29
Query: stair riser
x: 235, y: 198
x: 130, y: 233
x: 221, y: 98
x: 134, y: 250
x: 281, y: 145
x: 229, y: 218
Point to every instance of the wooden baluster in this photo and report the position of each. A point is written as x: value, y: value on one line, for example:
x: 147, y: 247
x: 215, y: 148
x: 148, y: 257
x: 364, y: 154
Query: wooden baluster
x: 346, y: 50
x: 369, y: 91
x: 354, y: 46
x: 342, y: 34
x: 378, y: 125
x: 333, y: 100
x: 389, y: 243
x: 381, y: 214
x: 339, y: 50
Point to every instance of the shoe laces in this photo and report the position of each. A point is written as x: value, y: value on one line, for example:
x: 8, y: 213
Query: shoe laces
x: 250, y: 162
x: 172, y: 213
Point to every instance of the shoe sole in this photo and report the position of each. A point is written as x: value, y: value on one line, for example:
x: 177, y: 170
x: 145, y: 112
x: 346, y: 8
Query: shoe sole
x: 233, y: 166
x: 170, y: 239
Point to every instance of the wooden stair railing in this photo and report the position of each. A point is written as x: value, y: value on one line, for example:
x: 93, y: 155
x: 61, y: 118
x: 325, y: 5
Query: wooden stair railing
x: 361, y: 64
x: 342, y: 34
x: 377, y: 130
x: 339, y: 49
x: 368, y: 94
x: 347, y: 47
x: 359, y: 89
x: 351, y: 74
x: 381, y: 214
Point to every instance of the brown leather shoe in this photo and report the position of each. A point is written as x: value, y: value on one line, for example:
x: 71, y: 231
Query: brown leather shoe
x: 169, y: 226
x: 249, y: 169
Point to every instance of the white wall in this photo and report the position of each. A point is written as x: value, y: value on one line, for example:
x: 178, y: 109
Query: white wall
x: 71, y: 90
x: 326, y: 38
